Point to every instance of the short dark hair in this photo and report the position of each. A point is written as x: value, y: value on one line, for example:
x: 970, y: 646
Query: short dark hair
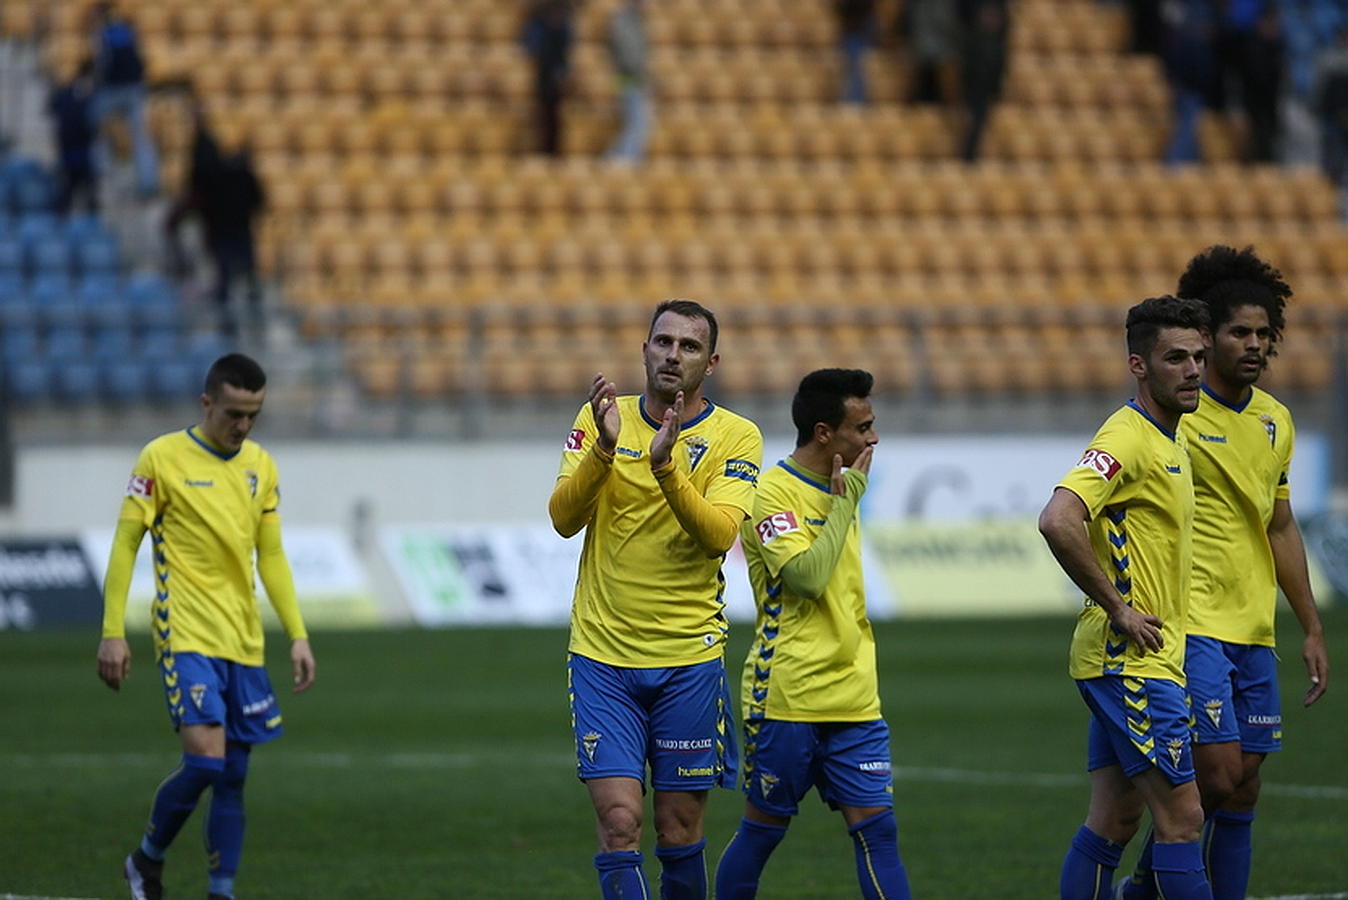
x: 235, y: 370
x: 1146, y: 319
x: 1225, y: 279
x: 690, y: 309
x: 821, y: 398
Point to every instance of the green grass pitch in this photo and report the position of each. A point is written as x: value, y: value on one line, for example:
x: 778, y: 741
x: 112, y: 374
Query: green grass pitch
x: 439, y: 764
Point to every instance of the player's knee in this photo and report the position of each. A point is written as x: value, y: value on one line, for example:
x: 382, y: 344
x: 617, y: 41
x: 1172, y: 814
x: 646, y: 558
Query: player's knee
x: 1218, y: 783
x: 1245, y: 795
x: 619, y: 828
x: 1182, y: 823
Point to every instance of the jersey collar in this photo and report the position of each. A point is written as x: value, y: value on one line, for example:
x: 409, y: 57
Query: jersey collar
x: 808, y: 477
x: 1234, y: 407
x: 219, y: 454
x: 641, y: 407
x: 1146, y: 415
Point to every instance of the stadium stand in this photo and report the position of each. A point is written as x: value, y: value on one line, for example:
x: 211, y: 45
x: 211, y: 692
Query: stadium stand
x: 410, y: 221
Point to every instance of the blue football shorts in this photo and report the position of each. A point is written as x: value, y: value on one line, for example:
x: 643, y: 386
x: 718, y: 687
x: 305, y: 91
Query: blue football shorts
x: 676, y: 719
x: 205, y: 690
x: 1138, y: 723
x: 1234, y: 689
x: 847, y: 762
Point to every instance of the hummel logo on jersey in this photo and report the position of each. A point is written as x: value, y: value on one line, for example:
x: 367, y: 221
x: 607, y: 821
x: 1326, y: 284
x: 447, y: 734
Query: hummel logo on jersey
x: 140, y: 486
x: 589, y: 743
x: 776, y: 525
x: 1101, y: 462
x: 200, y: 483
x: 1176, y: 748
x: 198, y: 693
x: 1212, y: 438
x: 1214, y: 710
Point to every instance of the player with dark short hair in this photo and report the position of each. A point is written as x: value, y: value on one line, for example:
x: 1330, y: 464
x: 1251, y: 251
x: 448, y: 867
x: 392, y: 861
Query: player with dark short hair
x: 208, y: 496
x: 1120, y: 525
x: 1246, y: 546
x: 660, y: 483
x: 810, y: 697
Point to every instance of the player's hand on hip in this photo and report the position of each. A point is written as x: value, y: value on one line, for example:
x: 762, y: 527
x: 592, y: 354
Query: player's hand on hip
x: 114, y: 662
x: 604, y: 406
x: 302, y: 665
x: 1315, y: 654
x: 1143, y: 630
x: 662, y: 445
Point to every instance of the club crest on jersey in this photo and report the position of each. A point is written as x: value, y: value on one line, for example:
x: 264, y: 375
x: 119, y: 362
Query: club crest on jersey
x: 1176, y: 748
x: 575, y: 440
x: 776, y: 525
x: 140, y: 486
x: 1271, y: 427
x: 697, y: 448
x: 198, y: 694
x: 1101, y: 462
x: 1214, y: 710
x: 252, y: 481
x: 766, y: 783
x: 589, y: 743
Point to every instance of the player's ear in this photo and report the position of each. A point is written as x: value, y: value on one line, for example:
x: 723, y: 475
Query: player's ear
x: 822, y: 433
x: 712, y: 362
x: 1137, y: 364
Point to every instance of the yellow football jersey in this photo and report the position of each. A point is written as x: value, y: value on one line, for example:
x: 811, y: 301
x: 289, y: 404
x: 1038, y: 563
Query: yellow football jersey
x: 813, y: 659
x: 1241, y: 456
x: 646, y: 594
x: 202, y: 508
x: 1136, y: 482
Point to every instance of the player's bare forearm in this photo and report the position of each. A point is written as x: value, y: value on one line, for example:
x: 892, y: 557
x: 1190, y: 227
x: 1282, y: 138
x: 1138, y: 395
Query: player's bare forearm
x: 1289, y: 563
x: 1063, y: 525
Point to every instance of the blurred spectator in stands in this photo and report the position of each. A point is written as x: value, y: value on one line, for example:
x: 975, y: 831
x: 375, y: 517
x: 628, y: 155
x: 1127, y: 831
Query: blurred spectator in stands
x: 547, y: 37
x: 119, y: 73
x: 1146, y: 26
x: 1330, y: 101
x: 984, y: 65
x: 71, y: 106
x: 1191, y: 69
x: 224, y: 190
x: 1261, y: 72
x: 929, y: 30
x: 856, y: 33
x: 630, y: 54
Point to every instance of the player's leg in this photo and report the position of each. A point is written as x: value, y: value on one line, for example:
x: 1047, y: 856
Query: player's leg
x: 779, y: 769
x: 196, y: 706
x: 692, y: 749
x: 1169, y: 787
x: 856, y: 776
x: 252, y: 717
x: 1115, y: 806
x: 610, y: 729
x: 1111, y: 821
x: 1257, y: 713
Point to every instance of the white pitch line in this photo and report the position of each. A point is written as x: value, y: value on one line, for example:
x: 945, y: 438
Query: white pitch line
x: 1339, y: 896
x: 38, y: 897
x: 472, y: 760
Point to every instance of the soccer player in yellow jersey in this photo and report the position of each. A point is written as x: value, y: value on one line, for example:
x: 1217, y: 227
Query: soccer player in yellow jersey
x: 1246, y: 546
x: 209, y: 497
x: 660, y: 483
x: 1119, y: 524
x: 810, y: 698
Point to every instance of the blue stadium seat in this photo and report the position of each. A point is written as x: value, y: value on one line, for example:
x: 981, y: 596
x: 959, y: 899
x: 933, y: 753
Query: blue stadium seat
x: 154, y: 302
x: 98, y: 256
x: 66, y: 344
x: 110, y: 344
x: 175, y: 379
x: 81, y: 226
x: 50, y: 287
x: 159, y: 344
x: 99, y: 290
x: 28, y: 380
x: 50, y: 253
x: 20, y: 342
x: 11, y: 255
x: 77, y: 380
x: 126, y: 380
x: 33, y: 193
x: 13, y: 288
